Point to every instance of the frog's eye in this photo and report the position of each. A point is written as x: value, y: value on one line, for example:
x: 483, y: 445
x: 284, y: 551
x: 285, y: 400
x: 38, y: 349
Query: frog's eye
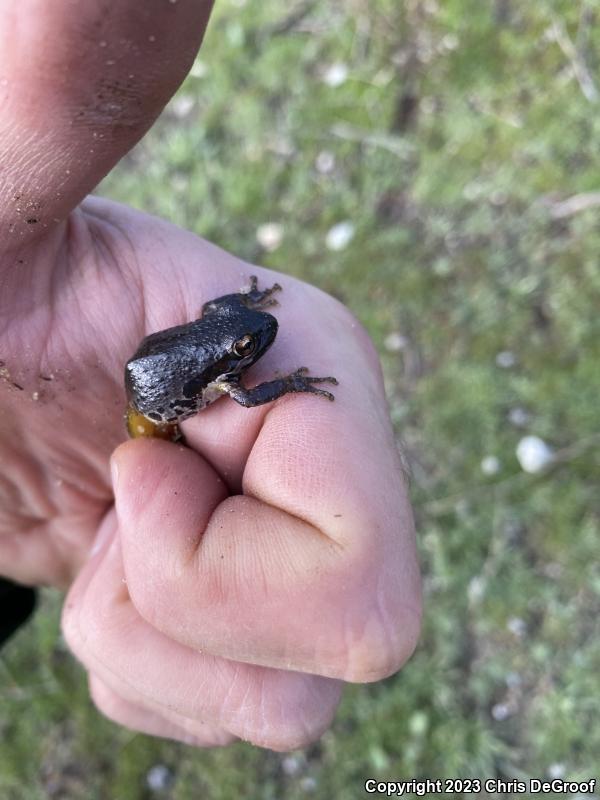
x: 245, y: 346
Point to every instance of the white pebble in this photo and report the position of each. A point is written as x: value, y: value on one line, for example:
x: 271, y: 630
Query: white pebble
x: 199, y: 69
x: 519, y: 417
x: 418, y: 723
x: 556, y: 770
x: 473, y: 190
x: 506, y: 359
x: 336, y: 74
x: 500, y: 712
x: 490, y: 465
x: 533, y: 454
x: 181, y: 106
x: 159, y: 778
x: 450, y: 41
x: 476, y: 589
x: 325, y: 162
x: 269, y: 235
x: 340, y: 236
x: 291, y: 764
x: 394, y: 342
x: 517, y: 626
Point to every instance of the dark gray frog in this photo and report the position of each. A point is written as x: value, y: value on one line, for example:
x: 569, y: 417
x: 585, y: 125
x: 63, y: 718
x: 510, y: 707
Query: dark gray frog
x: 177, y: 372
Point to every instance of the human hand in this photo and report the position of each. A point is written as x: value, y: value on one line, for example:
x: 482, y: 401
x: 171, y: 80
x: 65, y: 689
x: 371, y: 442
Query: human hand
x: 233, y: 584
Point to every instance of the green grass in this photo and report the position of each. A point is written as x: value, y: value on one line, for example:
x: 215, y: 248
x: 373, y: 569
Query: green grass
x: 458, y: 131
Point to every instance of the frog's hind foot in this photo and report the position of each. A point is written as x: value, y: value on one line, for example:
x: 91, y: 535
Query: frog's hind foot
x: 256, y: 299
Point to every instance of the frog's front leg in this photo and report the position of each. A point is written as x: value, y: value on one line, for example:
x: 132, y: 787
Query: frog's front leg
x: 297, y: 381
x: 254, y: 298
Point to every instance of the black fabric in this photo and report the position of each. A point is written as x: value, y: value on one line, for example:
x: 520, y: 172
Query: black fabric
x: 16, y: 606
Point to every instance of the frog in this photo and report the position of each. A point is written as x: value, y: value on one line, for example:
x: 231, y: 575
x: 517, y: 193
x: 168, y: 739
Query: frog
x: 177, y: 372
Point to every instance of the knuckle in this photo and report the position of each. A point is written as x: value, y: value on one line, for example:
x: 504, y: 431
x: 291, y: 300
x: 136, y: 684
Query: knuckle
x: 107, y: 701
x: 82, y: 629
x: 381, y: 649
x: 148, y: 598
x: 379, y: 625
x: 281, y: 710
x: 70, y: 628
x: 285, y: 739
x: 286, y: 725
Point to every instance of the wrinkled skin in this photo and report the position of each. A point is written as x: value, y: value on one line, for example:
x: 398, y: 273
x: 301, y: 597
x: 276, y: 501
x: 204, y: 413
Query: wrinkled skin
x: 218, y: 591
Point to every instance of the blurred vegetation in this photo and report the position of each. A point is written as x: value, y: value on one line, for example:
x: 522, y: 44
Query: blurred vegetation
x: 460, y: 143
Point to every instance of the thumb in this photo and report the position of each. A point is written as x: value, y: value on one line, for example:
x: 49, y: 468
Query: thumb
x: 156, y: 482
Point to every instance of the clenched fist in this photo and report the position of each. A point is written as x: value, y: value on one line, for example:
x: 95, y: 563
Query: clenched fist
x: 219, y: 590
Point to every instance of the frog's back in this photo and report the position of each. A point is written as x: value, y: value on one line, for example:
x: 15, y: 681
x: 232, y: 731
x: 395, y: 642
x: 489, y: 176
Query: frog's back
x: 161, y: 364
x: 168, y: 376
x: 170, y: 367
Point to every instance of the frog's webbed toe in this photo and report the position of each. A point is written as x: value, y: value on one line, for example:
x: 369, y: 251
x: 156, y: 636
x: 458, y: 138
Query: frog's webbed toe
x: 299, y: 381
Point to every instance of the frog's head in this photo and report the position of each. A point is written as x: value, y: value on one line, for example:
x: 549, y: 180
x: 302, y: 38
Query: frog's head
x: 254, y: 338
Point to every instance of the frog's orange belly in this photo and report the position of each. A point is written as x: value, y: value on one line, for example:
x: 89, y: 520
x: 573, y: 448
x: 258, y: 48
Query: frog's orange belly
x: 139, y: 426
